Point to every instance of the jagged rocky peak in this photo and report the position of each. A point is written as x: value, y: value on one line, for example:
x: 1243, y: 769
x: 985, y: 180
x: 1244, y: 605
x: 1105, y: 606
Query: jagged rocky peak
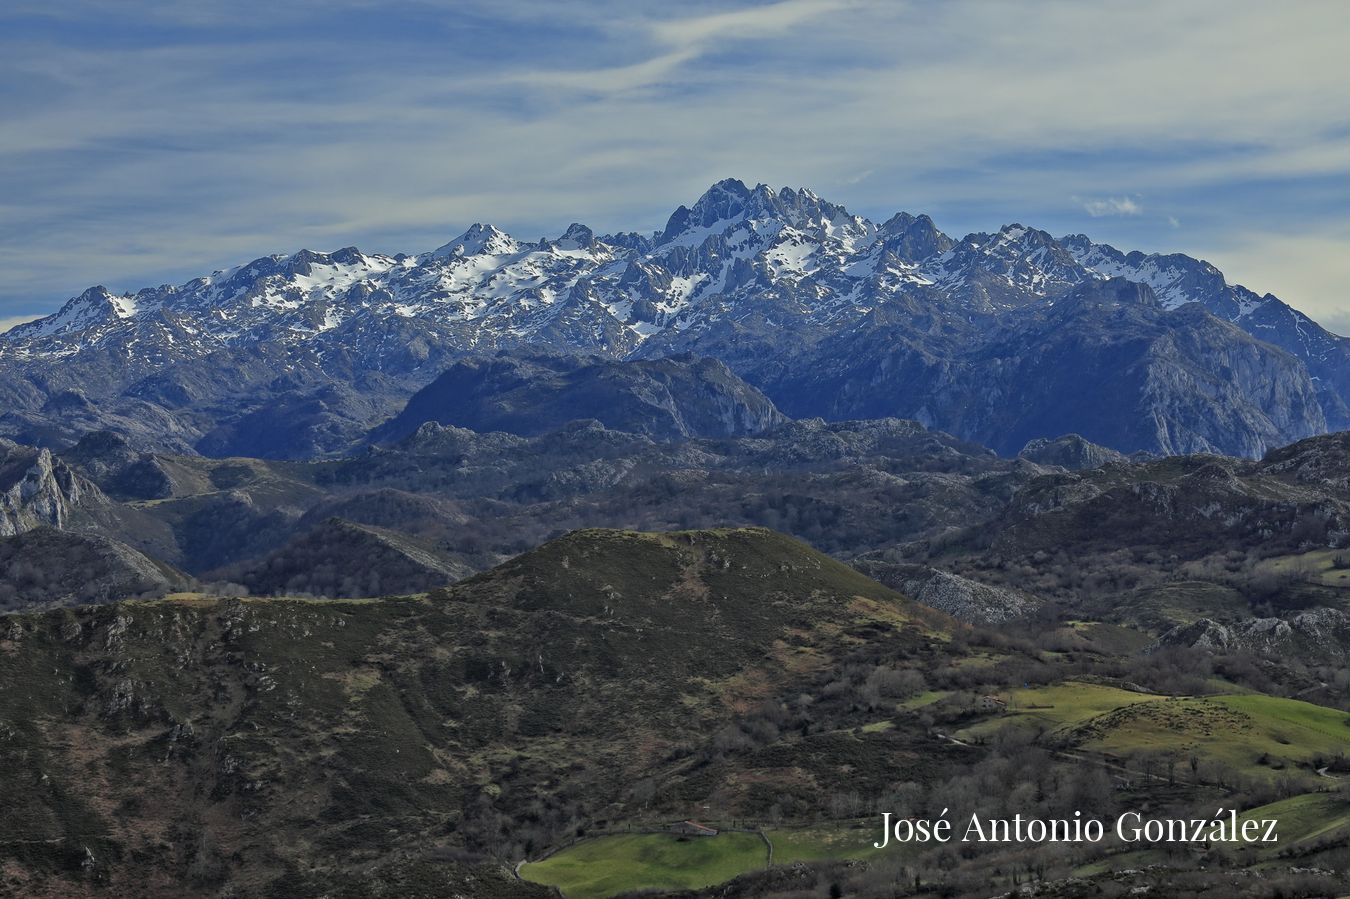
x: 301, y: 262
x: 1034, y: 246
x: 576, y: 237
x: 725, y: 201
x: 1176, y: 279
x: 630, y: 240
x: 913, y: 238
x: 804, y: 209
x: 95, y: 306
x: 479, y: 240
x: 347, y: 256
x: 1015, y: 267
x: 1097, y: 255
x: 645, y: 277
x: 730, y: 201
x: 1078, y: 244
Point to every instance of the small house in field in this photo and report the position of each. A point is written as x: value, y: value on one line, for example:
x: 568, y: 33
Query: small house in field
x: 992, y: 704
x: 692, y: 829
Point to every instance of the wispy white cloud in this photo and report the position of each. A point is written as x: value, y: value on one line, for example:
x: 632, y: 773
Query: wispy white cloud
x: 751, y: 22
x: 683, y: 40
x: 1104, y: 206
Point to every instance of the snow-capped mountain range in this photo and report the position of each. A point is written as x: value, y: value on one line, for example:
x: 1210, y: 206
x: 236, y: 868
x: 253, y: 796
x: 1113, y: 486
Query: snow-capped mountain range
x: 829, y: 313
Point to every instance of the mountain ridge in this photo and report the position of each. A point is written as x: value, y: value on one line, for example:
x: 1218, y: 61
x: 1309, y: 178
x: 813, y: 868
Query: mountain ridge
x: 784, y: 287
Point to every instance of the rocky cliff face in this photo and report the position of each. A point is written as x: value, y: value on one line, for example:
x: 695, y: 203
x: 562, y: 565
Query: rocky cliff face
x: 1211, y: 388
x: 960, y: 597
x: 38, y: 490
x: 1315, y: 635
x: 1178, y: 280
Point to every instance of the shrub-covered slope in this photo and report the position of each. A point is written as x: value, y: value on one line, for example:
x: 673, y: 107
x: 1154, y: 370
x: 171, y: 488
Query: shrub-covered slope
x: 201, y: 746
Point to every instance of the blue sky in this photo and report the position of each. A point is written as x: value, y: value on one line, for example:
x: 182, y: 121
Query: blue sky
x: 149, y: 142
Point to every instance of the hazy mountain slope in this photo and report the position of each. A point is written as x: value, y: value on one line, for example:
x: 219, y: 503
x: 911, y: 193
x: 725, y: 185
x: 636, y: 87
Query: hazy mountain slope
x: 1105, y: 361
x: 471, y: 500
x: 663, y: 398
x: 882, y: 490
x: 1189, y: 506
x: 1178, y: 279
x: 48, y: 567
x: 342, y: 559
x: 122, y: 472
x: 303, y: 423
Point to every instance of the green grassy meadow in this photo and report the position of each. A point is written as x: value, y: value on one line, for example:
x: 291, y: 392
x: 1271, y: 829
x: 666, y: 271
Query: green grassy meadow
x: 605, y: 866
x: 1307, y: 818
x: 1253, y: 734
x: 831, y: 842
x: 1056, y: 707
x: 602, y: 867
x: 1318, y: 566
